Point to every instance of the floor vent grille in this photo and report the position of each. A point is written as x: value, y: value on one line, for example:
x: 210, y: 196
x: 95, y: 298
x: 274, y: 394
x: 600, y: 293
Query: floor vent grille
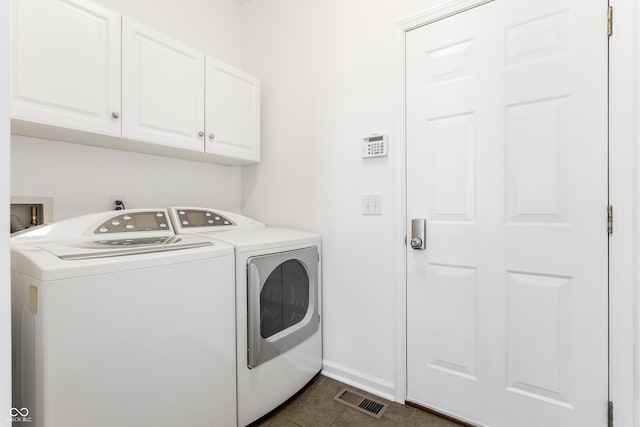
x: 361, y: 403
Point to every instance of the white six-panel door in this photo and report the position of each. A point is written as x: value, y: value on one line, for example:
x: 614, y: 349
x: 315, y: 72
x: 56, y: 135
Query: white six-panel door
x: 507, y: 160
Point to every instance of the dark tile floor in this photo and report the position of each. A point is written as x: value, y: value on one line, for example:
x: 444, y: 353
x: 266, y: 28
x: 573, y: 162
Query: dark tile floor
x: 315, y: 407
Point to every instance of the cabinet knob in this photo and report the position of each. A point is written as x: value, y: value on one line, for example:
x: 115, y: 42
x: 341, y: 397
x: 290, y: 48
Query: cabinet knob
x: 211, y: 136
x: 200, y: 134
x: 115, y: 114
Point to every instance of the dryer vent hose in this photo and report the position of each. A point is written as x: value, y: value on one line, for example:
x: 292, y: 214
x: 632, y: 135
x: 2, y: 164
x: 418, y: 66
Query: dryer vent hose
x: 16, y: 224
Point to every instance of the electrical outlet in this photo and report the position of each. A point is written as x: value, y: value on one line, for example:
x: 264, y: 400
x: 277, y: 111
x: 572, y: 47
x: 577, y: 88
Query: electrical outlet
x: 114, y: 198
x: 371, y: 204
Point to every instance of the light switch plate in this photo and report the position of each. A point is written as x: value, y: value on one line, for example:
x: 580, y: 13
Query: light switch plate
x: 371, y: 204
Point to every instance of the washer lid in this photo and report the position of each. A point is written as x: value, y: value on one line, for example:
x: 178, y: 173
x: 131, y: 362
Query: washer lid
x: 103, y: 248
x: 50, y: 261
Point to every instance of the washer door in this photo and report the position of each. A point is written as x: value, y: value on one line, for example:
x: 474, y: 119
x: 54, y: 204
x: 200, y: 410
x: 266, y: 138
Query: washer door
x: 282, y: 290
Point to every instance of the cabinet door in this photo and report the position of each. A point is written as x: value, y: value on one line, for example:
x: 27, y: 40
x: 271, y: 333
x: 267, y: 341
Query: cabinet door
x: 232, y: 112
x: 66, y: 64
x: 162, y: 89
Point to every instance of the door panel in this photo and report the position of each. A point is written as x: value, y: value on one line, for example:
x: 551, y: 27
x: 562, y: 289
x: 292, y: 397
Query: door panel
x: 232, y: 112
x: 162, y: 89
x: 507, y: 160
x: 66, y: 64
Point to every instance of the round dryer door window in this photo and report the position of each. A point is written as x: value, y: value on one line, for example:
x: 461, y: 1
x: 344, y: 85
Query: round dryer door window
x: 284, y: 299
x: 282, y: 302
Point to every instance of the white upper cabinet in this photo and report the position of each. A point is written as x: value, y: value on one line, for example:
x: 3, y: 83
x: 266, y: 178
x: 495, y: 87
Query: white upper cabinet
x: 232, y: 112
x: 66, y: 65
x: 84, y: 74
x: 162, y: 89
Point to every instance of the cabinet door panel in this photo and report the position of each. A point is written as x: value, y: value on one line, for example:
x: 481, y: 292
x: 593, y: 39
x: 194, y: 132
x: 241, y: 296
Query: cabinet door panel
x: 66, y: 64
x: 232, y: 112
x: 163, y: 89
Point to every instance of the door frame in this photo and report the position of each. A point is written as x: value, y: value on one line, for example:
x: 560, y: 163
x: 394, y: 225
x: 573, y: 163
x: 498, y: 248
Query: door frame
x: 624, y: 240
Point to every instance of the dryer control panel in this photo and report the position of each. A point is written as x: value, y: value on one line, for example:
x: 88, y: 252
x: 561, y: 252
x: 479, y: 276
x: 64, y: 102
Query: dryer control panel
x: 134, y: 222
x: 201, y: 218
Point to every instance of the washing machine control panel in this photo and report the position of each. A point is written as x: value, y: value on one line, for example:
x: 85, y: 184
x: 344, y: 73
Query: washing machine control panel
x: 135, y: 221
x: 201, y: 218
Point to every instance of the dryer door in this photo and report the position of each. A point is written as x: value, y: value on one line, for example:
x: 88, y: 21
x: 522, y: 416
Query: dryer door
x: 282, y: 291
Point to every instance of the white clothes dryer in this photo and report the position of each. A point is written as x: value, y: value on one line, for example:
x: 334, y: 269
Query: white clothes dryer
x: 278, y: 305
x: 119, y: 322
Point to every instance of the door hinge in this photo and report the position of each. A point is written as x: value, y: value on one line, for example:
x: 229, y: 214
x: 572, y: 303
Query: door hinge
x: 610, y: 414
x: 610, y: 21
x: 610, y: 219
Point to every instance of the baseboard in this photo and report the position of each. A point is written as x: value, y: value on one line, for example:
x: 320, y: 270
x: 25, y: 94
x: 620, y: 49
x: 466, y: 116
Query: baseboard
x: 354, y: 378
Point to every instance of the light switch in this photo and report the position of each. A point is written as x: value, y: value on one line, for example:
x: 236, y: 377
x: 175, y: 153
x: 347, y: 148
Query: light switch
x: 371, y: 204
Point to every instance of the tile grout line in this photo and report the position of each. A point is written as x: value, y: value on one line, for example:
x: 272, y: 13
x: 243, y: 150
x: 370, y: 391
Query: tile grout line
x: 339, y: 415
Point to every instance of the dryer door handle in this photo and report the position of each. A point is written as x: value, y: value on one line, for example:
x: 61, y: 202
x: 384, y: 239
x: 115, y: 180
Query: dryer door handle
x: 253, y: 316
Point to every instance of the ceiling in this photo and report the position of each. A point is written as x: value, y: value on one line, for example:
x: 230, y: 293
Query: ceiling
x: 242, y: 2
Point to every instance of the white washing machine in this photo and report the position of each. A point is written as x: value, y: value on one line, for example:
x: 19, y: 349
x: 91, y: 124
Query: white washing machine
x: 278, y: 288
x: 119, y: 322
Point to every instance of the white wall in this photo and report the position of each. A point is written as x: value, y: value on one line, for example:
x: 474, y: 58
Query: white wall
x: 212, y: 26
x: 329, y: 77
x: 81, y: 178
x: 5, y: 289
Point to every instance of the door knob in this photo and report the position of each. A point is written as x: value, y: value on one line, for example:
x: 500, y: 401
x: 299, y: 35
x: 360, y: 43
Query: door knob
x: 418, y: 234
x: 416, y: 243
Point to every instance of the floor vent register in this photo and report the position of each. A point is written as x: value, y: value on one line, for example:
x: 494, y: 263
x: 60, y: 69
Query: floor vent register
x: 361, y: 403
